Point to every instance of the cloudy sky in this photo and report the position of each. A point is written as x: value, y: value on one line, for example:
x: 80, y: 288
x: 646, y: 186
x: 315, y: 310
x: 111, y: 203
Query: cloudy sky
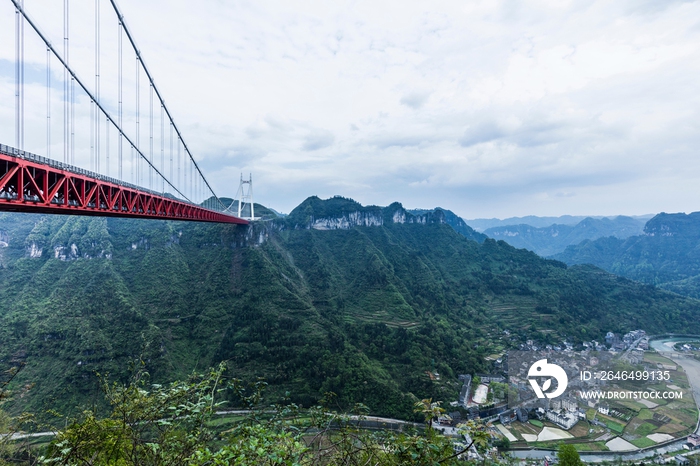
x: 488, y: 108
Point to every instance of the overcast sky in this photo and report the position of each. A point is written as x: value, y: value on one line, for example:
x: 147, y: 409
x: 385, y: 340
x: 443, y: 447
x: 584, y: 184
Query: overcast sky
x: 490, y: 109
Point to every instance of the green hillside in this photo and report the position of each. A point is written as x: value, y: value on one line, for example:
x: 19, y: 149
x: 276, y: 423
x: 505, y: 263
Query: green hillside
x: 336, y: 297
x: 666, y: 255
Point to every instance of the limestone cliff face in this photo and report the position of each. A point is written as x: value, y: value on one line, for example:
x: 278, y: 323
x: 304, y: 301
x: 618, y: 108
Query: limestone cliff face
x: 339, y: 213
x: 679, y: 225
x: 350, y: 220
x: 4, y: 239
x: 69, y: 238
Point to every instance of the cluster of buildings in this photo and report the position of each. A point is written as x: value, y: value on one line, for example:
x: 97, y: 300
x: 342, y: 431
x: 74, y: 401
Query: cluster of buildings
x: 531, y: 345
x: 613, y: 342
x: 563, y: 412
x: 635, y: 338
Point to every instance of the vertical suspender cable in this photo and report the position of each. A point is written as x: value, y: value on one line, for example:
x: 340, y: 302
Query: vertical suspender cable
x: 66, y: 96
x: 93, y: 110
x: 17, y: 66
x: 106, y: 148
x: 171, y: 151
x: 162, y: 146
x: 138, y: 143
x: 21, y: 80
x: 70, y: 109
x: 48, y: 103
x: 97, y: 84
x: 150, y: 126
x: 119, y: 92
x: 72, y: 120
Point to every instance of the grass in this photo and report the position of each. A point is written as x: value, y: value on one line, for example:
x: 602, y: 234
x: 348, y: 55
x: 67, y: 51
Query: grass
x: 580, y: 430
x: 642, y: 442
x: 656, y: 358
x: 535, y: 422
x: 615, y: 427
x: 591, y: 446
x: 590, y: 414
x: 645, y: 429
x: 671, y: 428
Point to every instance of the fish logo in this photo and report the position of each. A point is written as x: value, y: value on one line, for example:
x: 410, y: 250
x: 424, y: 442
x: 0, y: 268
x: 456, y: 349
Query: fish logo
x: 541, y: 369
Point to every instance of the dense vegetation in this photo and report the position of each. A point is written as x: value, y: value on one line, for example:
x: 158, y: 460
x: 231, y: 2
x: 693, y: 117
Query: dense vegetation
x: 666, y: 255
x: 361, y: 311
x: 553, y: 239
x: 456, y: 222
x: 184, y: 423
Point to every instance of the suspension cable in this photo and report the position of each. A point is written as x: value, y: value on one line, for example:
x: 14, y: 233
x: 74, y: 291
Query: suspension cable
x: 75, y: 79
x: 48, y: 103
x: 152, y: 82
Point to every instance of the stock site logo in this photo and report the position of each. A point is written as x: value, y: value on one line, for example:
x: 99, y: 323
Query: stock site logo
x: 542, y: 370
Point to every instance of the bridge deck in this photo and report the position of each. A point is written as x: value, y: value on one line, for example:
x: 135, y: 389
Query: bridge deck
x: 30, y: 183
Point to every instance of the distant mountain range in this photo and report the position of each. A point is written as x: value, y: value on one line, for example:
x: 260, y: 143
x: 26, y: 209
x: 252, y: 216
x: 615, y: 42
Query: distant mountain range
x: 482, y: 224
x: 666, y: 254
x: 553, y: 239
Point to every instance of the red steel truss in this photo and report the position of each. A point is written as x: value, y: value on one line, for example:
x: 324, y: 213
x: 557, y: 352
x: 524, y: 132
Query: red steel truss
x: 30, y: 183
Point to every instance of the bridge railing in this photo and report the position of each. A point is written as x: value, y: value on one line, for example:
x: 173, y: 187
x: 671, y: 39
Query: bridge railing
x: 81, y: 171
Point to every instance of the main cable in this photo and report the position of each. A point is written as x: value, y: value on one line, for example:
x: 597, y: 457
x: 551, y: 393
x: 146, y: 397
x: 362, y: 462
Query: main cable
x: 152, y: 82
x: 74, y: 79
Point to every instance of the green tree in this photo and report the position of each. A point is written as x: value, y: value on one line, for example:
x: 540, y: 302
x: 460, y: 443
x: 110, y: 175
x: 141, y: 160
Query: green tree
x: 10, y: 449
x: 429, y: 409
x: 163, y: 425
x: 173, y: 425
x: 568, y: 456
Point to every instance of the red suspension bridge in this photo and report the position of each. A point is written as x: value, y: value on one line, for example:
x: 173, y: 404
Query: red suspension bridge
x: 148, y: 183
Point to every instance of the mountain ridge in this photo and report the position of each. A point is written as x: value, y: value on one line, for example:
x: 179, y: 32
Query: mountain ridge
x: 666, y: 254
x: 553, y: 239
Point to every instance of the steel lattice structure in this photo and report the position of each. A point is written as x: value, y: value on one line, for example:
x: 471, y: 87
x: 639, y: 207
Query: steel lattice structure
x: 30, y: 183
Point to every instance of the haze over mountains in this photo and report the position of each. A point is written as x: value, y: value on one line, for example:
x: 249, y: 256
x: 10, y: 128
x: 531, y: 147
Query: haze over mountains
x: 553, y: 239
x: 357, y: 300
x: 661, y: 251
x: 665, y: 254
x: 481, y: 224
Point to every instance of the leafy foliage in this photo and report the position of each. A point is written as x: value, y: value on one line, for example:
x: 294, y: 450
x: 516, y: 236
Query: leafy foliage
x: 568, y: 456
x: 155, y: 426
x: 171, y: 425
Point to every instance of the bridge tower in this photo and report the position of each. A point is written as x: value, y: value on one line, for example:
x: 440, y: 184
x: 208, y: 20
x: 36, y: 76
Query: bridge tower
x: 245, y: 197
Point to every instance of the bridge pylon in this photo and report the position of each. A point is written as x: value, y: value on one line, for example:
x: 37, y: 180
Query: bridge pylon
x: 244, y: 195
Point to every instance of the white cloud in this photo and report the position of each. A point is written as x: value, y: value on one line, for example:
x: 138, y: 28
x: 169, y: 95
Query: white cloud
x: 491, y: 108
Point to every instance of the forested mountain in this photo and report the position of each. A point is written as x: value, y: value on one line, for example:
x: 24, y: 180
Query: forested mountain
x: 456, y: 222
x: 547, y: 241
x: 336, y: 297
x: 667, y: 254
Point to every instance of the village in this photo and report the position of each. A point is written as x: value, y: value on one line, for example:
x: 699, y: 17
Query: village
x: 635, y: 420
